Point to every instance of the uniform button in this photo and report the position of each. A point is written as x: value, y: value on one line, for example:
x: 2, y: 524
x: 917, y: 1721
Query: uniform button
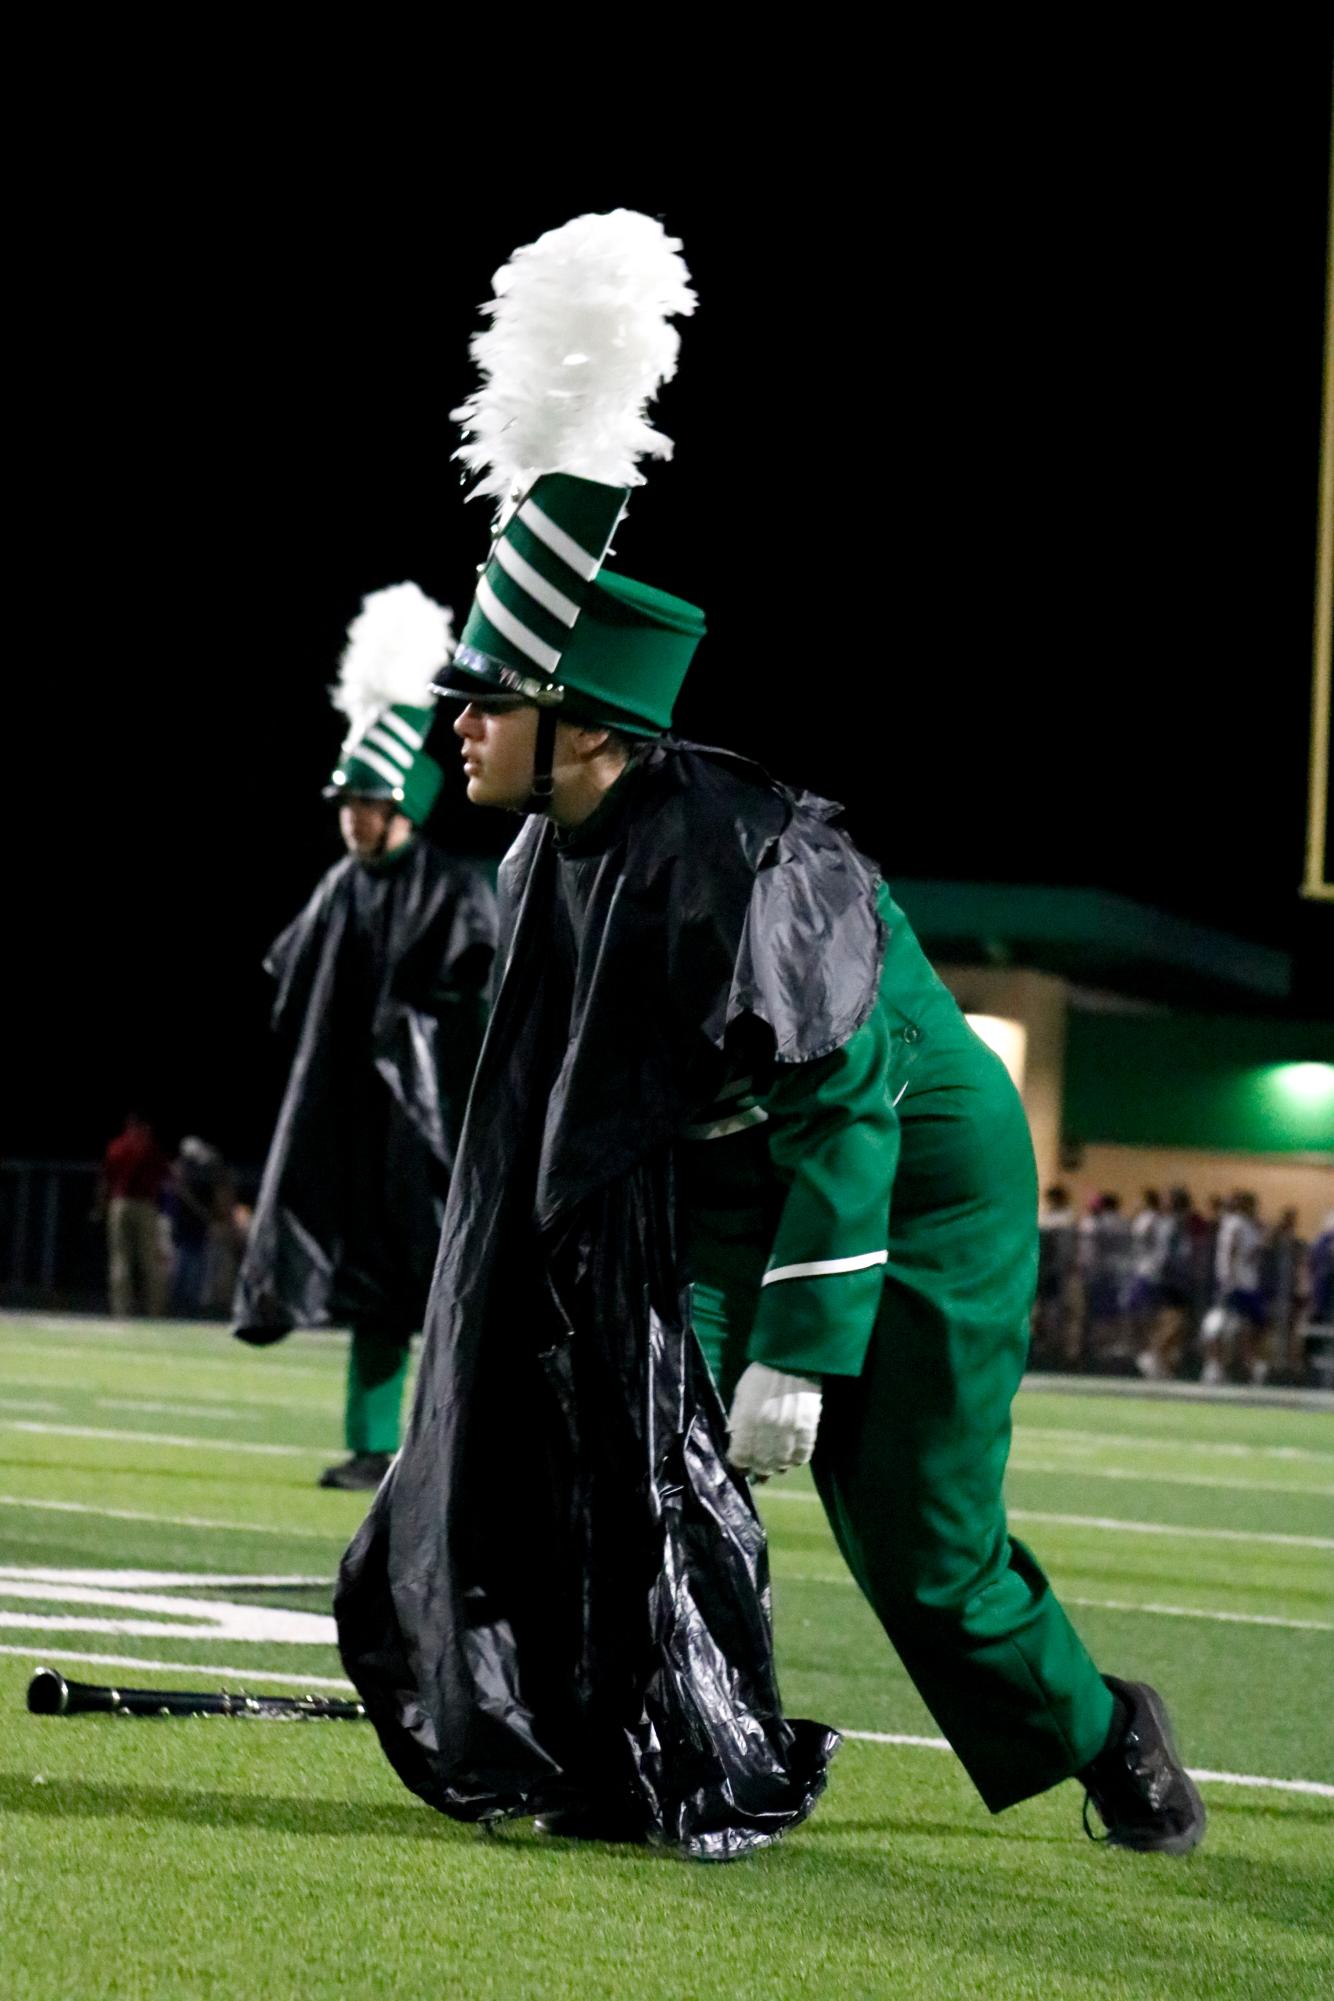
x: 911, y: 1034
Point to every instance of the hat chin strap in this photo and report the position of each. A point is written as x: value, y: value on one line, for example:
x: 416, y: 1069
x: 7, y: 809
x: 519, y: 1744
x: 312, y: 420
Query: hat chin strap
x: 382, y: 845
x: 544, y: 757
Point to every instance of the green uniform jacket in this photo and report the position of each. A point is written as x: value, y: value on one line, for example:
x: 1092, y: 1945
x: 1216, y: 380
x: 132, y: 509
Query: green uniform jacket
x: 803, y: 1205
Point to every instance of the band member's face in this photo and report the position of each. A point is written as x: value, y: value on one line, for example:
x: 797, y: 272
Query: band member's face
x: 498, y: 742
x: 364, y: 825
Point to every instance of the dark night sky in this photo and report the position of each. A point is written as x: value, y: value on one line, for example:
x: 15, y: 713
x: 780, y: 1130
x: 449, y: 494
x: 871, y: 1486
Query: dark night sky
x: 995, y: 470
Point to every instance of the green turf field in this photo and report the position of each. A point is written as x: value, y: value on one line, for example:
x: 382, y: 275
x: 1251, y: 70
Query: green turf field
x: 213, y: 1858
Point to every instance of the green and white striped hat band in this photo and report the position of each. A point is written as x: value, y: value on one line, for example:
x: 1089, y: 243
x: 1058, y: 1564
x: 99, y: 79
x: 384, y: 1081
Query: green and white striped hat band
x: 387, y: 760
x: 536, y: 582
x: 388, y: 745
x: 550, y: 625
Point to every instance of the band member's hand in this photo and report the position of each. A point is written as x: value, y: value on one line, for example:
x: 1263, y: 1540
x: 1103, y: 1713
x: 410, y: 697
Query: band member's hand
x: 773, y: 1421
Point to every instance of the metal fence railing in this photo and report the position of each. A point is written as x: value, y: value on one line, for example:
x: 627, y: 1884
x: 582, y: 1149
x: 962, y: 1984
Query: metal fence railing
x: 53, y: 1238
x: 53, y: 1254
x: 52, y: 1249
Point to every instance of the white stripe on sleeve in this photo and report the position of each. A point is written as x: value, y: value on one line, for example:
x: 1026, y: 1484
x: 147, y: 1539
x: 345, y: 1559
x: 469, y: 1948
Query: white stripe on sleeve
x: 826, y: 1267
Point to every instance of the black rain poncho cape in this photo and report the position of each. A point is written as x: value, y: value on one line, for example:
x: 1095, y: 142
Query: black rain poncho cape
x: 379, y: 988
x: 560, y: 1596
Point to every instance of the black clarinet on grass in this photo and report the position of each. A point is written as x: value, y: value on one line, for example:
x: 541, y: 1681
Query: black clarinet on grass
x: 49, y: 1694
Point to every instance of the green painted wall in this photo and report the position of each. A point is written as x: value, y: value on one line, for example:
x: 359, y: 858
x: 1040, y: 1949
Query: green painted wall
x: 1238, y: 1085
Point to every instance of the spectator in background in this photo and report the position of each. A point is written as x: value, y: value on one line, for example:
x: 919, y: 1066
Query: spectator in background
x: 1206, y: 1259
x: 1321, y: 1267
x: 1175, y: 1285
x: 1317, y: 1335
x: 1206, y: 1267
x: 134, y: 1169
x: 1283, y: 1271
x: 1144, y: 1222
x: 1057, y: 1211
x: 225, y: 1247
x: 1057, y: 1241
x: 193, y: 1193
x: 1148, y: 1254
x: 1234, y: 1327
x: 1104, y: 1262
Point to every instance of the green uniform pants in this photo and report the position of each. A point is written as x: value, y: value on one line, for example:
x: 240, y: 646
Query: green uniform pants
x: 377, y: 1368
x: 912, y: 1449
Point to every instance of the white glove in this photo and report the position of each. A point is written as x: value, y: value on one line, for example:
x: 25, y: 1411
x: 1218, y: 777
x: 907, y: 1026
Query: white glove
x: 773, y: 1421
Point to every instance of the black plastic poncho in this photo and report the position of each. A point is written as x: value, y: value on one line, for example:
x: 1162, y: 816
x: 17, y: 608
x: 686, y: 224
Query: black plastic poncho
x: 560, y: 1596
x: 379, y: 988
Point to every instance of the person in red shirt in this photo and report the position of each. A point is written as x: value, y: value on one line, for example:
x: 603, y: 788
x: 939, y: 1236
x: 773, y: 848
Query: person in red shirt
x: 134, y: 1169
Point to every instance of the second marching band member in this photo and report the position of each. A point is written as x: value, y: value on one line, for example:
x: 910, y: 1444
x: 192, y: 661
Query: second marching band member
x: 380, y: 982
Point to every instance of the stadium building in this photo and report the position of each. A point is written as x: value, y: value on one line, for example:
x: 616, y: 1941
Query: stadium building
x: 1150, y: 1050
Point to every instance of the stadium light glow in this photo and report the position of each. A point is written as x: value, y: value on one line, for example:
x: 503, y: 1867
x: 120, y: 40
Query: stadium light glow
x: 1306, y: 1084
x: 1295, y: 1102
x: 1008, y: 1038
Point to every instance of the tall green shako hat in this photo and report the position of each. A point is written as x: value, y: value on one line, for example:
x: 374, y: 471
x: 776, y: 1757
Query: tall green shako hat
x: 397, y: 646
x: 580, y: 341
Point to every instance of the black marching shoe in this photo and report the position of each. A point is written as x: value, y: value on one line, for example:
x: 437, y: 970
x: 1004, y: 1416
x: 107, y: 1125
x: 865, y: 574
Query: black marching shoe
x: 1144, y: 1796
x: 363, y: 1472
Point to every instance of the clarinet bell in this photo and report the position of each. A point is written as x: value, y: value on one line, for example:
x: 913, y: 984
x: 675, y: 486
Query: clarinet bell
x: 48, y: 1693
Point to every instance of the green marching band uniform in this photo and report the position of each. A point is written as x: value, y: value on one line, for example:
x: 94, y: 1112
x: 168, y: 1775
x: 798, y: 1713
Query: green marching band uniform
x: 863, y: 1217
x: 871, y: 1220
x: 380, y: 991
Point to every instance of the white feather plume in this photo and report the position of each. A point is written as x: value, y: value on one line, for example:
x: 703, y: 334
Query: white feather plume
x: 580, y: 341
x: 396, y: 645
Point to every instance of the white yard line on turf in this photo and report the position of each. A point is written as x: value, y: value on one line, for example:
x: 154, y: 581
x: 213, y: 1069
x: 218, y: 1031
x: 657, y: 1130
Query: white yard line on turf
x: 212, y: 1411
x: 97, y: 1327
x: 782, y: 1577
x: 166, y: 1438
x: 1275, y: 1539
x: 1102, y: 1523
x: 795, y: 1577
x: 228, y: 1362
x: 1323, y: 1792
x: 256, y: 1630
x: 1197, y: 1612
x: 158, y: 1591
x: 1238, y: 1395
x: 211, y: 1400
x: 241, y: 1675
x: 177, y: 1618
x: 1018, y: 1464
x: 1043, y: 1434
x: 1315, y: 1787
x: 209, y: 1403
x: 1107, y: 1522
x: 160, y: 1580
x: 1143, y: 1476
x: 172, y: 1521
x: 186, y: 1333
